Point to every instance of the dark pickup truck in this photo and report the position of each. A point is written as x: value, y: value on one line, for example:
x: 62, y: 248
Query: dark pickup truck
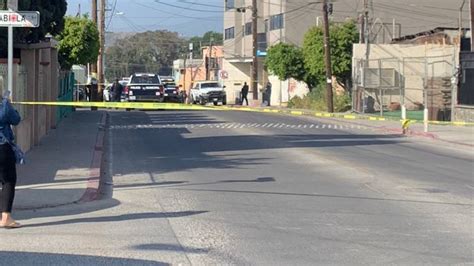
x: 144, y: 87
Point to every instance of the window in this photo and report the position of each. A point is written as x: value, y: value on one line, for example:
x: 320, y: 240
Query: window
x: 142, y: 79
x: 229, y: 33
x: 248, y: 28
x: 276, y: 22
x: 229, y: 4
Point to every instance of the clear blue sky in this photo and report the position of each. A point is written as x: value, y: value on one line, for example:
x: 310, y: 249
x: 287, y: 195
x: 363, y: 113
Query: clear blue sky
x: 188, y: 17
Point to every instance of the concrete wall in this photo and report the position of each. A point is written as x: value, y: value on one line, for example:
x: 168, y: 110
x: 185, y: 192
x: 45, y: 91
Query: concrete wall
x: 36, y: 79
x: 464, y: 113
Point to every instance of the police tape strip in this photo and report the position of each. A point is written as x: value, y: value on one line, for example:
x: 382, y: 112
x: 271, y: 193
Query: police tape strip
x: 181, y: 106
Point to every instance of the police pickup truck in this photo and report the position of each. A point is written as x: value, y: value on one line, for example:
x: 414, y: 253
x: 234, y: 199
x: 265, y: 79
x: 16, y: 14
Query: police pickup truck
x: 144, y: 87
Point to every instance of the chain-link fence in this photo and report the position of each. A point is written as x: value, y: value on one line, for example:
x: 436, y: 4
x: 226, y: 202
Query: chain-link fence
x: 390, y: 86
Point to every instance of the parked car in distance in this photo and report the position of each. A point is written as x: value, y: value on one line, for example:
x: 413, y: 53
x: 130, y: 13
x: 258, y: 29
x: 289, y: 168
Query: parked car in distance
x: 172, y: 93
x: 144, y: 87
x: 107, y: 93
x: 204, y: 92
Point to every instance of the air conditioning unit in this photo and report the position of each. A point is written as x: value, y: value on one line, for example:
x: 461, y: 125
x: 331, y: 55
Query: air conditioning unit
x: 376, y: 78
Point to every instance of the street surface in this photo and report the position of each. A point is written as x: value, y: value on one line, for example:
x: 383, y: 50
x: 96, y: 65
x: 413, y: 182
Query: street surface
x: 209, y: 188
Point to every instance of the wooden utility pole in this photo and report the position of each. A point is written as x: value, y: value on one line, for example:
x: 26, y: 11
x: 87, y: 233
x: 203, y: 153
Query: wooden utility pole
x: 471, y: 5
x: 254, y: 74
x: 366, y: 32
x: 94, y: 19
x: 327, y: 58
x: 100, y: 59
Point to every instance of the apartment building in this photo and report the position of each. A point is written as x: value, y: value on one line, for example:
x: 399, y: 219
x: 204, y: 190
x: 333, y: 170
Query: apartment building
x: 288, y: 21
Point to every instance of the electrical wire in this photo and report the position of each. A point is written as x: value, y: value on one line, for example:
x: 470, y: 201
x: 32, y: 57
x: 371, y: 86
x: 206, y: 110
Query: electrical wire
x: 112, y: 15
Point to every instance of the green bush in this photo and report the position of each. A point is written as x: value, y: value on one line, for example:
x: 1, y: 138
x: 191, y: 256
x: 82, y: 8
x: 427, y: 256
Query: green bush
x: 316, y: 100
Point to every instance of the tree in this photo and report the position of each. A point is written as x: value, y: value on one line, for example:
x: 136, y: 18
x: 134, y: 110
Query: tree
x: 51, y: 21
x: 287, y: 61
x: 78, y: 42
x: 152, y: 51
x: 205, y: 40
x: 342, y: 37
x: 307, y: 63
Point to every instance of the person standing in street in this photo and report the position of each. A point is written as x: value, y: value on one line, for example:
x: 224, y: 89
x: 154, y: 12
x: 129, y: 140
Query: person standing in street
x: 267, y: 96
x: 8, y: 117
x: 117, y: 90
x: 245, y: 92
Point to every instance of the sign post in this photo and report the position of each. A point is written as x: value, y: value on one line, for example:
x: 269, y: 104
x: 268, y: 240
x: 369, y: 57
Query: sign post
x: 16, y: 19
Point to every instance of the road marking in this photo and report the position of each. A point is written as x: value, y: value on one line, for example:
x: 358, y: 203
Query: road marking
x: 237, y: 125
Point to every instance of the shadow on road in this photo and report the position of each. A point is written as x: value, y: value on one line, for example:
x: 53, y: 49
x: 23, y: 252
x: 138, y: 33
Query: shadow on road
x: 168, y: 150
x: 33, y: 258
x: 170, y: 247
x: 323, y: 196
x: 123, y: 217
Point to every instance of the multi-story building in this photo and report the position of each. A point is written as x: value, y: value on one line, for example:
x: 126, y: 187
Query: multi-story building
x: 288, y: 21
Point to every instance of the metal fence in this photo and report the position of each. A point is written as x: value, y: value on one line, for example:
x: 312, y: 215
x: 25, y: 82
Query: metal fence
x: 405, y: 87
x: 65, y: 93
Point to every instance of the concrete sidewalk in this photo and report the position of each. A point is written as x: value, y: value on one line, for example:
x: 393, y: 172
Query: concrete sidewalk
x: 64, y: 165
x: 453, y: 134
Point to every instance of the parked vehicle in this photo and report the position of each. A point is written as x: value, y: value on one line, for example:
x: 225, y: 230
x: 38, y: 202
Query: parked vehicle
x: 107, y: 93
x: 204, y: 92
x: 144, y: 87
x: 172, y: 93
x: 124, y: 82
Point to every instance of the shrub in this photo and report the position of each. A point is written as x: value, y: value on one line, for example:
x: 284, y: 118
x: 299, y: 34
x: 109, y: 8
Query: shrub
x: 316, y: 100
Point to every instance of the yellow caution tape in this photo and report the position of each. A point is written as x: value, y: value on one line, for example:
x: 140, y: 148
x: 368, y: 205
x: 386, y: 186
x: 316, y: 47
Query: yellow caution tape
x: 181, y: 106
x: 123, y: 105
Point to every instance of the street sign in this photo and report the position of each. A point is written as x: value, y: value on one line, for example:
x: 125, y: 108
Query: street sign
x: 16, y: 19
x: 20, y: 19
x: 261, y: 53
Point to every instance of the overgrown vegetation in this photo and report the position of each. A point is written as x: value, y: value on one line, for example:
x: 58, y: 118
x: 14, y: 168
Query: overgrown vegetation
x: 316, y: 100
x: 306, y: 64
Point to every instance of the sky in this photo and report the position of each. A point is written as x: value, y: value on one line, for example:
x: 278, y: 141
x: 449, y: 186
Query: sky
x: 188, y: 17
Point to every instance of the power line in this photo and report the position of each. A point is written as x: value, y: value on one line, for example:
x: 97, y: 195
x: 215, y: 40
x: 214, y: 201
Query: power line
x: 187, y: 8
x: 112, y: 15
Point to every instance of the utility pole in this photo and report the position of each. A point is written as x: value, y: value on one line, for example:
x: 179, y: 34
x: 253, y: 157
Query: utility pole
x: 461, y: 34
x: 254, y: 71
x: 94, y: 19
x: 366, y: 32
x: 471, y: 5
x: 327, y: 57
x: 100, y: 60
x: 209, y: 59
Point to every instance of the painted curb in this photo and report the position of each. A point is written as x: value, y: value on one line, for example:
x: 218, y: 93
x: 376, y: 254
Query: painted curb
x: 93, y: 182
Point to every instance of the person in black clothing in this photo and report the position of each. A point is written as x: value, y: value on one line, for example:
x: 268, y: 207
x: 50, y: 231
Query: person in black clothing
x: 117, y: 90
x: 8, y: 117
x: 245, y: 92
x: 267, y: 95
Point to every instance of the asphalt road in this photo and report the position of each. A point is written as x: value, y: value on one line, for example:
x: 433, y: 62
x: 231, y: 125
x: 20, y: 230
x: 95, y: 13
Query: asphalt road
x: 207, y: 188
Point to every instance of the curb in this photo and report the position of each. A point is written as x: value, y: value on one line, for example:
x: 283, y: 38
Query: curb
x: 339, y: 115
x: 93, y: 183
x: 352, y: 119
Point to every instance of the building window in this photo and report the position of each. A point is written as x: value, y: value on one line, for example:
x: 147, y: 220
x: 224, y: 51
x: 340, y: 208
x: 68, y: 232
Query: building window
x: 229, y: 33
x: 276, y: 22
x: 248, y: 28
x: 229, y: 4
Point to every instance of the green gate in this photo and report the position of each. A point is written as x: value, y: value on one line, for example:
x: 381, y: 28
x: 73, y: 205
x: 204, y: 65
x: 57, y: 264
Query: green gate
x: 65, y: 94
